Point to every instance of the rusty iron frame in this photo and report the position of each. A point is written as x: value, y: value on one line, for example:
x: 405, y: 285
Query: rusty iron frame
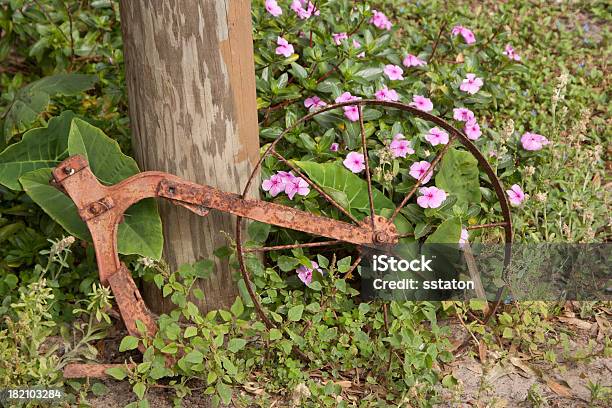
x: 102, y: 208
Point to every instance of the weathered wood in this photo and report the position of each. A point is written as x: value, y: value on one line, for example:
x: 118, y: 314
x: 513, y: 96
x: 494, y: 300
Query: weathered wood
x: 191, y: 86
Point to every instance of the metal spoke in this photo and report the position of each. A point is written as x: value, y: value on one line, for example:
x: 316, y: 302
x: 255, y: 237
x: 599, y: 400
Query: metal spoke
x: 349, y: 273
x: 420, y: 180
x: 490, y: 225
x: 291, y: 246
x: 313, y: 185
x: 367, y: 166
x: 472, y: 227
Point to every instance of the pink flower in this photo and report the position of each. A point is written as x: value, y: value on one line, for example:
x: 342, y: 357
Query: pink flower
x: 432, y: 197
x: 472, y: 129
x: 421, y: 103
x: 380, y: 20
x: 314, y: 102
x: 305, y: 274
x: 355, y: 162
x: 386, y: 94
x: 274, y: 185
x: 413, y: 61
x: 418, y: 170
x: 297, y: 185
x: 400, y: 147
x: 533, y: 141
x: 285, y: 176
x: 361, y: 55
x: 464, y: 236
x: 284, y: 48
x: 339, y: 37
x: 346, y: 97
x: 273, y: 8
x: 466, y: 33
x: 516, y: 195
x: 471, y: 84
x: 393, y: 72
x: 304, y: 9
x: 356, y: 43
x: 510, y: 53
x: 436, y: 136
x: 334, y: 147
x: 351, y: 112
x: 463, y: 114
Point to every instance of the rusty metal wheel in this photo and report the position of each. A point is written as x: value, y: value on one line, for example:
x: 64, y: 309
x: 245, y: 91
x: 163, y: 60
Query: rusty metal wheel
x: 380, y: 228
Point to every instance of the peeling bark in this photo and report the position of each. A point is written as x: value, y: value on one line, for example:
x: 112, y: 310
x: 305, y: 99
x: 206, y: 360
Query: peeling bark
x: 191, y: 86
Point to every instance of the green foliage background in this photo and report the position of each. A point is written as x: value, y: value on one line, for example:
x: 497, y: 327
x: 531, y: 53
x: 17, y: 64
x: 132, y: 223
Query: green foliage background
x: 61, y: 79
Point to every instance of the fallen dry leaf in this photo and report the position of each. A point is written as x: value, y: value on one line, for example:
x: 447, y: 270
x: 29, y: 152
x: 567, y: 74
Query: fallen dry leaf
x: 344, y: 384
x: 496, y: 373
x: 482, y: 352
x: 574, y: 321
x: 517, y: 362
x: 252, y: 387
x: 560, y: 390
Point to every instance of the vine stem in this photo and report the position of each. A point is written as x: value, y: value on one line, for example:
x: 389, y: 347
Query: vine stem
x: 435, y: 46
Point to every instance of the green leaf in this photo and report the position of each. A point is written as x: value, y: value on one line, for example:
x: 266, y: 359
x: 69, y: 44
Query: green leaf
x: 118, y: 373
x: 105, y: 158
x: 508, y: 333
x: 190, y: 331
x: 224, y: 391
x: 298, y: 70
x: 39, y: 148
x: 229, y: 366
x: 235, y: 345
x: 458, y: 175
x: 287, y: 263
x: 295, y: 313
x: 333, y: 176
x: 141, y: 232
x: 33, y: 99
x: 478, y: 304
x: 194, y: 357
x: 171, y: 348
x: 99, y: 389
x: 203, y: 268
x: 139, y: 389
x: 369, y: 74
x: 237, y: 308
x: 55, y: 203
x: 128, y: 343
x: 258, y: 231
x: 275, y: 334
x: 449, y: 381
x: 448, y: 232
x: 211, y: 377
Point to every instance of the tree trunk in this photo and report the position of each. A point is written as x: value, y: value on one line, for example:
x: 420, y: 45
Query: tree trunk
x: 191, y: 86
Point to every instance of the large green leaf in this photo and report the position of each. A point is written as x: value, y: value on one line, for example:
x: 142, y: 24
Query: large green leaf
x: 337, y: 181
x: 55, y: 203
x: 448, y: 232
x: 458, y: 175
x: 105, y: 158
x: 141, y: 232
x: 33, y: 99
x: 39, y: 148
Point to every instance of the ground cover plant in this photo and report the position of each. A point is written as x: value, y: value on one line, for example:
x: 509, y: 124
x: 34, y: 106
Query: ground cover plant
x: 526, y: 81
